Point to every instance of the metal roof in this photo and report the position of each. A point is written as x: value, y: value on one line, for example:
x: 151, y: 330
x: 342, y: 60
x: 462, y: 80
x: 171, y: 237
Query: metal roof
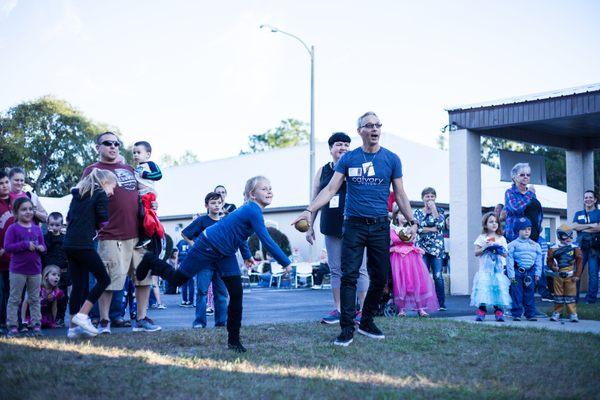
x: 530, y: 97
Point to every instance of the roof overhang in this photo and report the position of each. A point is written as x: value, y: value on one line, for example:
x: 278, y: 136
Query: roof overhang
x: 567, y: 118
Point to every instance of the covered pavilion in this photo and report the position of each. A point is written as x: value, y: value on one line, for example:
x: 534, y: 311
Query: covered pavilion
x: 567, y: 119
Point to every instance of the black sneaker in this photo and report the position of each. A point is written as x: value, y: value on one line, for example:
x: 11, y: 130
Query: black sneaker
x: 345, y: 338
x: 369, y: 329
x: 143, y: 267
x: 237, y: 347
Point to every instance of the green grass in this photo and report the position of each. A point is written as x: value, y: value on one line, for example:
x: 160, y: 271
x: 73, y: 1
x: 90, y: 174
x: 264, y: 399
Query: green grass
x: 584, y: 311
x: 418, y: 359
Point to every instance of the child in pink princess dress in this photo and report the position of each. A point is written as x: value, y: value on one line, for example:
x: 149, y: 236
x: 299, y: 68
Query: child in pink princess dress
x: 413, y: 286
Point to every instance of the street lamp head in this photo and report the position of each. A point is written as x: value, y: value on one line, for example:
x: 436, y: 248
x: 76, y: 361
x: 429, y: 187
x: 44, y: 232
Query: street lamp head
x: 272, y: 28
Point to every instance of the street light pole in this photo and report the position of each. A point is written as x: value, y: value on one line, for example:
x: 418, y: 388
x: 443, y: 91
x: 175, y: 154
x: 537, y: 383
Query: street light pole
x: 311, y: 53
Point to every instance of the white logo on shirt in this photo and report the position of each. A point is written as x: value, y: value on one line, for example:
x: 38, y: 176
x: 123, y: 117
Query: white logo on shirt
x: 125, y: 179
x: 354, y: 172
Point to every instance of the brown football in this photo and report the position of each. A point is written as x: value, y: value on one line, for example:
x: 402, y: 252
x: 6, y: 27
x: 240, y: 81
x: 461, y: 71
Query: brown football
x: 405, y: 234
x: 302, y: 225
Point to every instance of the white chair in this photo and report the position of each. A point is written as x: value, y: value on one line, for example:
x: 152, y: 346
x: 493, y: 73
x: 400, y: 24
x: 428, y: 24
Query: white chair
x: 276, y: 273
x: 258, y: 273
x: 304, y: 270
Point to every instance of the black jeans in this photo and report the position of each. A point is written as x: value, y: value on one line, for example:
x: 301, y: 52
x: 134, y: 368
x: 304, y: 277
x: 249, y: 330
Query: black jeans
x: 82, y: 262
x: 234, y: 309
x: 376, y: 238
x: 4, y: 292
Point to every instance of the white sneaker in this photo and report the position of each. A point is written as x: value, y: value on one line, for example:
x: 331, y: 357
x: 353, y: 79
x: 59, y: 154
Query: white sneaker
x: 104, y: 326
x: 78, y: 332
x: 573, y: 318
x: 74, y: 333
x: 316, y: 287
x: 85, y: 323
x: 555, y: 317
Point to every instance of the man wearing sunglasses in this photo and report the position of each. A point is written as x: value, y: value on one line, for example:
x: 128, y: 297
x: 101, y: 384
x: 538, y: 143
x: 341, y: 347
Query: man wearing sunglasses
x: 369, y: 170
x: 117, y: 239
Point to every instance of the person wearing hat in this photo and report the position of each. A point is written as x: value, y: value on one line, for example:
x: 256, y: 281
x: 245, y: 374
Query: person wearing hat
x: 524, y: 269
x: 566, y: 260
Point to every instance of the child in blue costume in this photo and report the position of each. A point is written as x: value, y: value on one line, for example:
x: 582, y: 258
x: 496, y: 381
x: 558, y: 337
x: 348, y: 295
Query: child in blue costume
x: 216, y: 248
x: 524, y: 269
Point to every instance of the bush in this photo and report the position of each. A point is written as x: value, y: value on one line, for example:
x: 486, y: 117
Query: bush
x: 278, y: 237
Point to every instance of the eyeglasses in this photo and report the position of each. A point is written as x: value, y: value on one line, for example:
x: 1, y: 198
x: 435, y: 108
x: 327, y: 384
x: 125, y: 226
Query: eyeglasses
x: 371, y: 126
x: 524, y: 175
x: 109, y: 143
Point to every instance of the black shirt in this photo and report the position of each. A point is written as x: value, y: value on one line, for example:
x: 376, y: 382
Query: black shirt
x: 86, y: 216
x: 228, y: 208
x: 533, y: 211
x: 193, y: 230
x: 54, y: 255
x: 332, y: 218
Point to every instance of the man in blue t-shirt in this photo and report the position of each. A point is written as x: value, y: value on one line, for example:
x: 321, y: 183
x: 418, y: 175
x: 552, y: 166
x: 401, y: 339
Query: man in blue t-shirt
x: 213, y: 203
x: 369, y: 170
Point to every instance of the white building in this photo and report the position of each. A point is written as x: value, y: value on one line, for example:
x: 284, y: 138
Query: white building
x: 181, y: 191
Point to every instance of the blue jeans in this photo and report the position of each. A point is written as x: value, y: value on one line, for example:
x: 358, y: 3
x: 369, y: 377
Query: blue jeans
x: 115, y: 310
x: 542, y: 285
x: 128, y: 300
x: 434, y: 264
x: 203, y: 255
x: 187, y: 291
x: 590, y: 256
x: 522, y: 292
x: 203, y: 280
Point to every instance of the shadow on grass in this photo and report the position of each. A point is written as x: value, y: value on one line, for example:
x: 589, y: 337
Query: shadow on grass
x: 420, y: 359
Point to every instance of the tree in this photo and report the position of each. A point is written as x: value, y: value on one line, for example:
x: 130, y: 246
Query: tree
x: 290, y: 132
x: 188, y: 157
x: 554, y: 158
x: 278, y: 237
x: 51, y: 140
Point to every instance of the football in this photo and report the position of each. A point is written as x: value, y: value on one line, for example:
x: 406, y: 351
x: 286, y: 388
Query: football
x: 405, y: 234
x: 302, y: 225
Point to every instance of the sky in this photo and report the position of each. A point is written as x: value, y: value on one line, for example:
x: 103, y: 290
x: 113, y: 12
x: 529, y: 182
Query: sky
x: 202, y: 76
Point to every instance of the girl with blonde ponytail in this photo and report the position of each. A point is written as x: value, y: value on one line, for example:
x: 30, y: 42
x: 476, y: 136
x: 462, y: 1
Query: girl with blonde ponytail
x: 88, y: 212
x: 216, y: 249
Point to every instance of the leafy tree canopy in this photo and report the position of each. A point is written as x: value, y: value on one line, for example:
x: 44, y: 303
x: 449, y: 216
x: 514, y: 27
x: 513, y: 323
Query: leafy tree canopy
x: 290, y: 132
x: 51, y: 140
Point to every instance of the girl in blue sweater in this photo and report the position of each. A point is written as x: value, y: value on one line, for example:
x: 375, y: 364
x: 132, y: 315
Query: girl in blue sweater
x: 216, y: 249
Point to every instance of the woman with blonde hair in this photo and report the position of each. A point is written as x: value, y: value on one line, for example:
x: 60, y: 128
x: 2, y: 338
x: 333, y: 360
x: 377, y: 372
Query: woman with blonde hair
x: 216, y: 248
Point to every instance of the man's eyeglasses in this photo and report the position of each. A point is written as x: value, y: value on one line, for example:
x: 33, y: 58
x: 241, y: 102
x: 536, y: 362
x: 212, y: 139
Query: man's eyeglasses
x: 109, y: 143
x: 371, y: 126
x: 524, y: 175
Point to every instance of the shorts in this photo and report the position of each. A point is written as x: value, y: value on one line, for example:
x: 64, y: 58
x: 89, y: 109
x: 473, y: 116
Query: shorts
x: 121, y: 258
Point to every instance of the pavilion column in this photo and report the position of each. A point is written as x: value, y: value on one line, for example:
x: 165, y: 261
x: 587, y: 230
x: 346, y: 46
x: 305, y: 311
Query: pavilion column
x: 465, y: 207
x: 580, y: 177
